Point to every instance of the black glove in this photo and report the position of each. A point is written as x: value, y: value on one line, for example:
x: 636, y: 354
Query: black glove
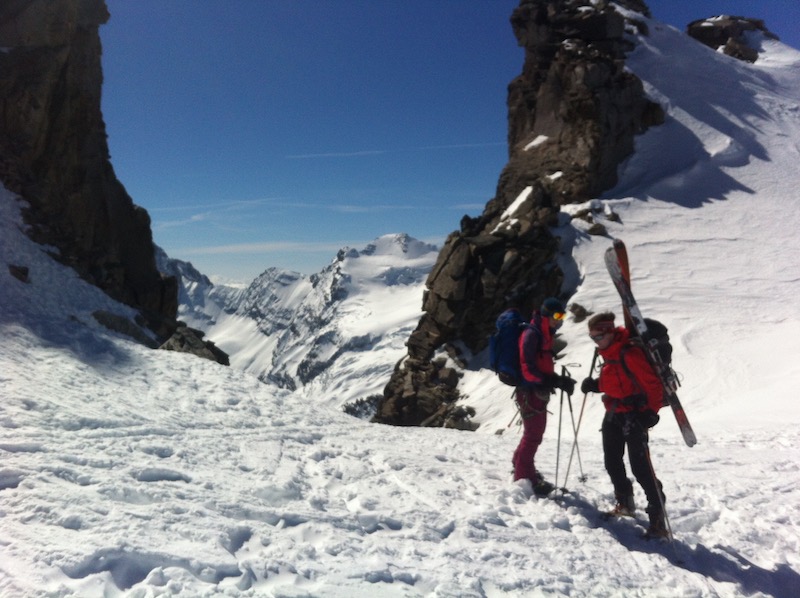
x: 590, y: 385
x: 637, y: 401
x: 565, y: 383
x: 648, y: 418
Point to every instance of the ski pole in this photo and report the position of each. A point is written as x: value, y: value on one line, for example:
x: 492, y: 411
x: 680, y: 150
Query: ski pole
x: 565, y: 372
x: 516, y: 414
x: 513, y: 419
x: 580, y: 419
x: 658, y: 487
x: 660, y: 496
x: 558, y: 443
x: 575, y: 443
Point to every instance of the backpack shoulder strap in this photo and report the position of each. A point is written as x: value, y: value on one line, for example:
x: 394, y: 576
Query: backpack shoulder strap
x: 625, y: 348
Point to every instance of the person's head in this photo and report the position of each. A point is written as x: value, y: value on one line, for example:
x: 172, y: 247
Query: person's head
x: 601, y: 329
x: 554, y: 310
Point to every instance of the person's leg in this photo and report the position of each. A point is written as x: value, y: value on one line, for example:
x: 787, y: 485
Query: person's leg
x: 642, y: 468
x: 613, y: 454
x: 641, y: 465
x: 533, y: 412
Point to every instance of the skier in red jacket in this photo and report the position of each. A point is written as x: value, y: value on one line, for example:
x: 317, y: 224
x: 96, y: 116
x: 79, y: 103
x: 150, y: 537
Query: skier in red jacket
x: 537, y: 361
x: 632, y: 395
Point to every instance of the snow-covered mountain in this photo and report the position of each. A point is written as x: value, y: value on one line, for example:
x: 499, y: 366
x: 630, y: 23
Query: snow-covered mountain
x: 131, y: 472
x: 289, y: 330
x: 193, y: 287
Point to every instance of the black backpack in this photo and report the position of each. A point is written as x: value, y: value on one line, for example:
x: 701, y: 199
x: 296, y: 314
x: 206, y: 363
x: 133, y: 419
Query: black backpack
x: 657, y: 338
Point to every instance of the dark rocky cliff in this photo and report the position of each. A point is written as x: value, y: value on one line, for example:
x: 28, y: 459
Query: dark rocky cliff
x: 729, y: 34
x: 573, y: 114
x: 54, y: 154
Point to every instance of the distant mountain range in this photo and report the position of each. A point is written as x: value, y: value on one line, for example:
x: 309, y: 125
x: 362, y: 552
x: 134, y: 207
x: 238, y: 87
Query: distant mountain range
x: 292, y: 330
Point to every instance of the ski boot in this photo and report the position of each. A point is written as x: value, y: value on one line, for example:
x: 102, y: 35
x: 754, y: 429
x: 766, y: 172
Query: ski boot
x: 658, y: 525
x: 625, y: 507
x: 542, y: 487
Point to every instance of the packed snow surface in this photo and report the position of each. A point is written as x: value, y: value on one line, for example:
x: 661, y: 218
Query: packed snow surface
x: 132, y: 472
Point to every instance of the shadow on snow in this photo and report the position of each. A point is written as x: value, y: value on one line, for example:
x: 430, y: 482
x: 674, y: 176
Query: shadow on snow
x: 720, y: 563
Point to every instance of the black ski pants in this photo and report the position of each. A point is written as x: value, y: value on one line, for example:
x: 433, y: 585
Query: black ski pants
x: 621, y: 430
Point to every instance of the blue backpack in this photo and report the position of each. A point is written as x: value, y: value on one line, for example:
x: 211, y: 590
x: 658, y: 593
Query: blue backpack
x: 504, y: 347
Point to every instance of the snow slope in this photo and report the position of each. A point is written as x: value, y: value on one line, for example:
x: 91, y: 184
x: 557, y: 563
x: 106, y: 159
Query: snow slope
x: 131, y: 472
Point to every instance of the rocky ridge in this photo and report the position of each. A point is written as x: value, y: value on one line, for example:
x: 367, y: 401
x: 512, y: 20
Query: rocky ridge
x: 730, y: 35
x: 54, y: 156
x: 573, y: 114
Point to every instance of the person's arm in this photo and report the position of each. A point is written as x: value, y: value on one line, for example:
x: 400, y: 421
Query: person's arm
x: 530, y: 342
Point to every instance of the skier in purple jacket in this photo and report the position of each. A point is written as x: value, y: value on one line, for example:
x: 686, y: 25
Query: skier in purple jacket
x: 539, y: 380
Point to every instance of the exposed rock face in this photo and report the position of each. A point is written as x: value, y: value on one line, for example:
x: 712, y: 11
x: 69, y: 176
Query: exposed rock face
x: 573, y: 115
x: 574, y: 110
x: 53, y: 153
x: 190, y: 340
x: 729, y: 34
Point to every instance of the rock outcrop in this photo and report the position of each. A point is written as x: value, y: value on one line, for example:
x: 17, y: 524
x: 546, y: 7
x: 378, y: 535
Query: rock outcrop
x: 54, y: 154
x: 729, y: 34
x: 190, y: 340
x: 573, y: 114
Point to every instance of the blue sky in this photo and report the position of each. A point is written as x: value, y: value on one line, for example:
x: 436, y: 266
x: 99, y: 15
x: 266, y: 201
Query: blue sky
x: 264, y: 133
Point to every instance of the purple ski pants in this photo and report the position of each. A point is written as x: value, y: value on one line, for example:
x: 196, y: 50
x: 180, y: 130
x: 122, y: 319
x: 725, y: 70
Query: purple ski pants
x: 533, y: 411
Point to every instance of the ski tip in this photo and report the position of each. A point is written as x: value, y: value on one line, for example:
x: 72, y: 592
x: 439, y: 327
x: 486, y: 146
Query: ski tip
x: 688, y: 436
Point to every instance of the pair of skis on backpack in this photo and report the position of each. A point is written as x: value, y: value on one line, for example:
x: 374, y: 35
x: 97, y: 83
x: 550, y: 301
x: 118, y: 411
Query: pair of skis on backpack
x: 616, y: 259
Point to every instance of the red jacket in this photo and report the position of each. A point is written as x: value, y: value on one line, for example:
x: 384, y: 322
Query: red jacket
x: 616, y: 384
x: 536, y: 351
